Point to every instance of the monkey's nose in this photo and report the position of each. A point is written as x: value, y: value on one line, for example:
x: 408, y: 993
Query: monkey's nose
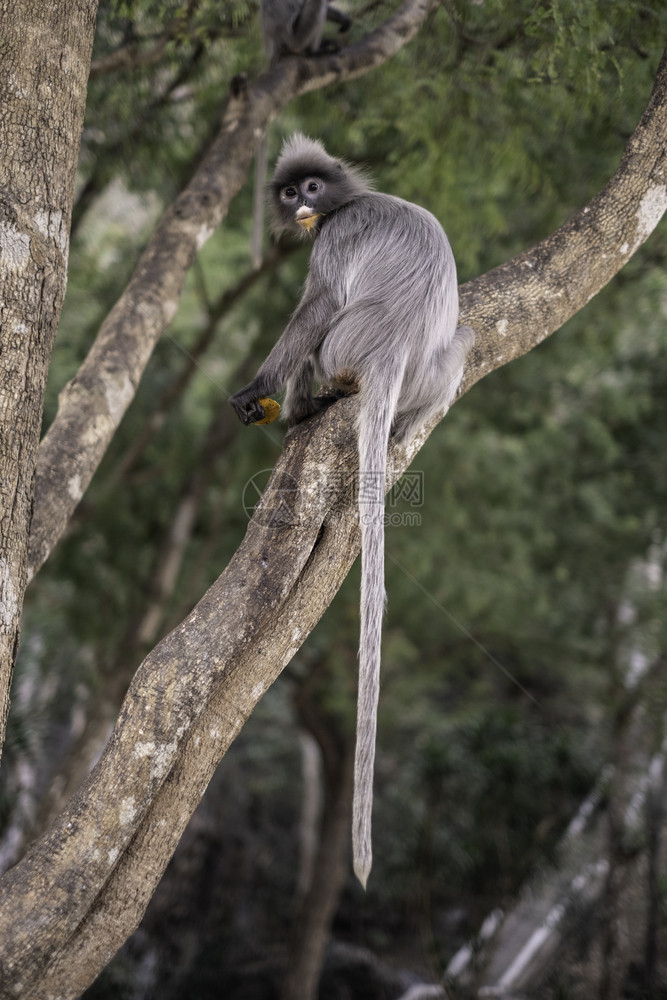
x: 306, y: 217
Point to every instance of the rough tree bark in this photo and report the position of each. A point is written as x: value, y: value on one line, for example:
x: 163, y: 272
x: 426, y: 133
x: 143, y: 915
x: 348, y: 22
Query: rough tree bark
x: 45, y: 52
x: 80, y: 890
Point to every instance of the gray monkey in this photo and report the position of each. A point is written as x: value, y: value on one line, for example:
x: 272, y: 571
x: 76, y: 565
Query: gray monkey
x: 379, y: 311
x: 288, y: 27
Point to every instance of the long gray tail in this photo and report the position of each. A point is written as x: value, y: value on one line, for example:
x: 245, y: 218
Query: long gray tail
x: 376, y: 410
x: 258, y: 195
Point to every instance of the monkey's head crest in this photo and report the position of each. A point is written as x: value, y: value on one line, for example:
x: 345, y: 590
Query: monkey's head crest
x: 316, y: 183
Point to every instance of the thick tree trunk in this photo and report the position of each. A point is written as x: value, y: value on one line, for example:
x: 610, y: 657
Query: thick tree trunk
x: 45, y: 51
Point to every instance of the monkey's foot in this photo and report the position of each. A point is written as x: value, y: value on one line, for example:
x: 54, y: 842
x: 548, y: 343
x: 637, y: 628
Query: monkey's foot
x: 238, y: 84
x: 345, y: 382
x: 326, y: 400
x: 330, y: 393
x: 296, y: 411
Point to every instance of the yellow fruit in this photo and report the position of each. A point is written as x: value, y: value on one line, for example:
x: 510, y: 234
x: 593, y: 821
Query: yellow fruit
x: 271, y: 410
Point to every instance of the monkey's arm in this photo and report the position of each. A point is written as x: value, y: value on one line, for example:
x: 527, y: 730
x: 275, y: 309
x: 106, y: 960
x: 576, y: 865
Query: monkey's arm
x: 299, y: 402
x: 301, y: 337
x: 338, y: 17
x: 305, y: 25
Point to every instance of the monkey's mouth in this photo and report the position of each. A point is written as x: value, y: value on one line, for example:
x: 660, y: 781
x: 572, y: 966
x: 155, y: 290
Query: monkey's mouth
x: 307, y: 217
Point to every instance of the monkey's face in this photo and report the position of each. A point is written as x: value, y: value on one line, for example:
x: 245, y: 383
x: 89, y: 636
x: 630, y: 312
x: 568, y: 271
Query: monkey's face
x: 308, y: 185
x: 302, y: 204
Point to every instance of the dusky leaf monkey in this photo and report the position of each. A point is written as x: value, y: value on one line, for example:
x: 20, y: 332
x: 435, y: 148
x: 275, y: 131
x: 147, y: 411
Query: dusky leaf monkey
x: 288, y: 27
x: 379, y: 309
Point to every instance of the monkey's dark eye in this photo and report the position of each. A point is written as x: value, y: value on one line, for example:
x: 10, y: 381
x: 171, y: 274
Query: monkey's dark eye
x: 313, y: 186
x: 289, y: 193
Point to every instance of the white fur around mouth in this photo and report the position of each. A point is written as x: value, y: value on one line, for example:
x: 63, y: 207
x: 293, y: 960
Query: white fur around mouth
x: 306, y: 217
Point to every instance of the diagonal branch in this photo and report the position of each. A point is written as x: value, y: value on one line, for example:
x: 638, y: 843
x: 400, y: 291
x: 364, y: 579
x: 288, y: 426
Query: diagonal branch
x: 92, y: 405
x: 88, y: 881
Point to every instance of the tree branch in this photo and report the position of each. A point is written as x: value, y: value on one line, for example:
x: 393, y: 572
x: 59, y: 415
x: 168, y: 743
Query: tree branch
x: 91, y: 406
x: 133, y: 56
x: 88, y: 881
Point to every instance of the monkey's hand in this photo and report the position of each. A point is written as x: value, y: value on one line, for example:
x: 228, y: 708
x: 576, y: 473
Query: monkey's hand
x: 339, y: 17
x: 247, y: 406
